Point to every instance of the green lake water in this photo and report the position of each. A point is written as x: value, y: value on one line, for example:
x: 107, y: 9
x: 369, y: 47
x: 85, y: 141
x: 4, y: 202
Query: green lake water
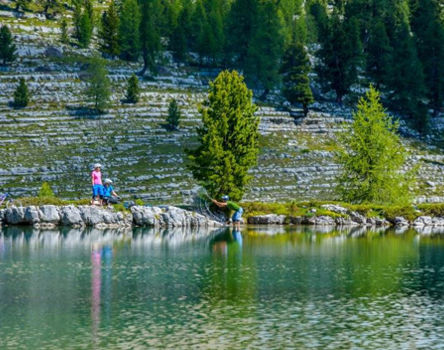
x: 264, y: 288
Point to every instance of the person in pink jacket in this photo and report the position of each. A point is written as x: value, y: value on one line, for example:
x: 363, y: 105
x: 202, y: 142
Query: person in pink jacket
x: 97, y: 186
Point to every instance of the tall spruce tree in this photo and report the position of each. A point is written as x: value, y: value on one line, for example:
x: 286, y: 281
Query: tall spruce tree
x: 21, y: 94
x: 132, y: 91
x: 179, y: 40
x: 240, y: 27
x: 109, y: 31
x: 372, y: 157
x: 228, y: 138
x: 340, y: 56
x: 64, y: 38
x: 295, y: 69
x: 129, y: 30
x: 265, y: 50
x: 407, y: 81
x: 379, y: 55
x: 85, y: 29
x: 198, y: 27
x: 174, y: 115
x: 429, y: 33
x: 149, y: 34
x: 7, y: 46
x: 98, y: 85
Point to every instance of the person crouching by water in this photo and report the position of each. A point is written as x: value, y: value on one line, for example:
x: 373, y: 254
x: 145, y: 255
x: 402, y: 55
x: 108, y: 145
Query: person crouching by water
x: 238, y: 211
x: 109, y: 195
x: 97, y: 187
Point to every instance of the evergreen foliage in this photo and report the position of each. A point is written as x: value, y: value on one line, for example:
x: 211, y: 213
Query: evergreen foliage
x: 109, y: 31
x: 21, y: 4
x: 149, y: 34
x: 51, y: 8
x: 179, y: 43
x: 379, y: 55
x: 46, y: 191
x: 132, y: 91
x: 228, y: 137
x: 7, y: 46
x: 64, y: 31
x: 98, y: 84
x: 265, y: 49
x: 429, y: 30
x: 21, y: 94
x: 129, y: 30
x: 340, y: 56
x: 173, y: 117
x: 372, y: 157
x: 83, y: 22
x: 295, y: 69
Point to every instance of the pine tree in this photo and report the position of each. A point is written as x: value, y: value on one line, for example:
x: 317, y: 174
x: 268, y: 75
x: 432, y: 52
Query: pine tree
x: 429, y: 30
x: 21, y: 94
x: 372, y: 157
x: 340, y: 56
x: 7, y: 46
x: 215, y: 28
x: 379, y: 55
x: 407, y: 81
x: 240, y: 27
x: 46, y: 191
x: 109, y: 31
x: 295, y: 69
x: 173, y: 117
x: 149, y: 34
x: 179, y: 43
x: 129, y: 30
x: 98, y: 84
x: 228, y: 137
x: 132, y: 91
x: 64, y: 31
x: 198, y: 22
x: 265, y: 50
x: 318, y: 11
x: 85, y: 30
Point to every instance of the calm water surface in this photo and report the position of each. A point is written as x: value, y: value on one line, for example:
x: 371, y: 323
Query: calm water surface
x: 264, y: 288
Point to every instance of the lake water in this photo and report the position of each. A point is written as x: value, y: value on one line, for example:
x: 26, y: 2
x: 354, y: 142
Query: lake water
x: 263, y: 288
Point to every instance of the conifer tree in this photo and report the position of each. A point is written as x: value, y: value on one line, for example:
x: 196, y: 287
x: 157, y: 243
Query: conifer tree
x: 372, y: 157
x: 295, y: 69
x: 109, y: 31
x: 7, y: 46
x: 179, y: 43
x: 198, y: 27
x: 129, y: 30
x: 132, y: 91
x: 149, y: 34
x: 216, y: 36
x: 429, y: 31
x: 379, y: 55
x: 265, y: 50
x: 340, y: 56
x: 407, y: 81
x: 21, y: 94
x: 46, y: 190
x: 240, y: 28
x: 98, y: 84
x: 85, y: 29
x: 228, y: 137
x: 173, y: 117
x: 64, y: 31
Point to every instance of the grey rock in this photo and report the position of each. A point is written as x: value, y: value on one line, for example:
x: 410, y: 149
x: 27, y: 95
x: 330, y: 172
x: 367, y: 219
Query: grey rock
x: 70, y: 216
x: 322, y: 220
x: 335, y: 208
x: 345, y: 221
x: 358, y: 218
x: 269, y: 219
x: 32, y: 215
x: 400, y: 221
x: 49, y: 214
x: 15, y: 216
x: 423, y: 221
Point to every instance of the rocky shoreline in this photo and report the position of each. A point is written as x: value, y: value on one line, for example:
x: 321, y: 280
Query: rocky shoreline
x: 345, y: 217
x: 50, y: 216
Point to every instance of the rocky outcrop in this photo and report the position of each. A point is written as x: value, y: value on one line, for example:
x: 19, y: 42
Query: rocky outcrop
x: 269, y: 219
x: 169, y: 216
x: 92, y: 216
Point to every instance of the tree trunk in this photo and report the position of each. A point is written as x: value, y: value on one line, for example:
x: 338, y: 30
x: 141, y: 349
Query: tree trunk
x: 305, y: 110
